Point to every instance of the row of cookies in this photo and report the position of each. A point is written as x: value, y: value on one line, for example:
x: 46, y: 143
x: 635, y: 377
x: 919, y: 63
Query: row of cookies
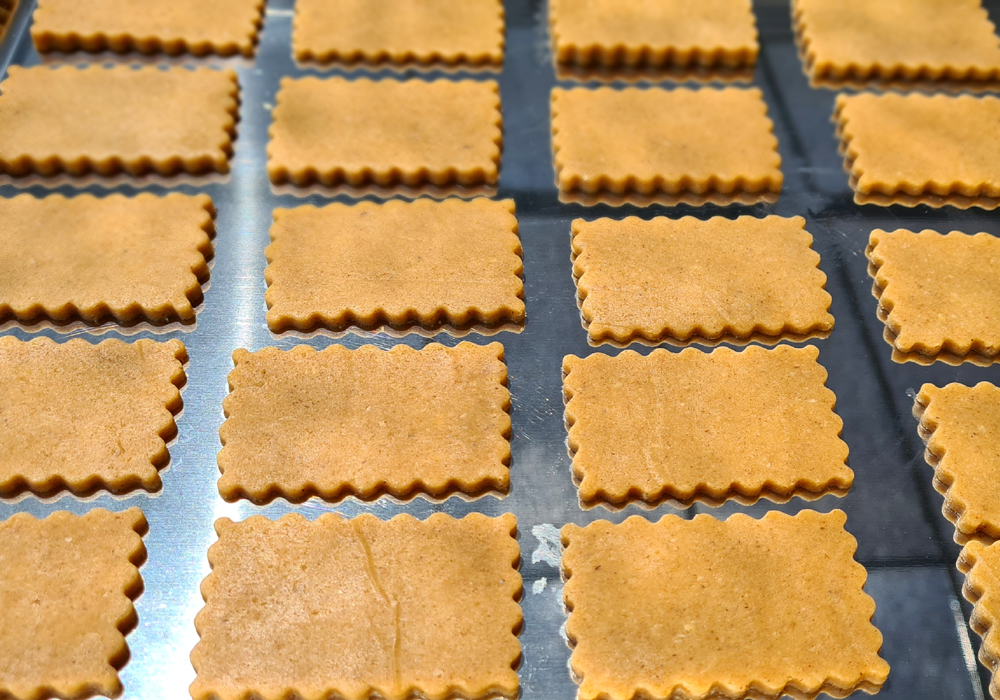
x: 356, y: 608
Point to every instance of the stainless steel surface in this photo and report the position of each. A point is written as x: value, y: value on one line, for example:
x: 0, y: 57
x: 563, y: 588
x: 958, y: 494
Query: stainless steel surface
x: 892, y: 510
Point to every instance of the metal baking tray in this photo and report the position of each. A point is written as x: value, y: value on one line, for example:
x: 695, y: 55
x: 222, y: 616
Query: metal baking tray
x: 893, y: 510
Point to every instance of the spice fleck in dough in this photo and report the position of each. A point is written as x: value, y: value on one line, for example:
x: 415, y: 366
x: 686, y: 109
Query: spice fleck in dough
x: 120, y: 119
x: 366, y: 422
x: 692, y: 424
x: 775, y: 605
x: 961, y: 426
x: 362, y: 132
x: 354, y: 608
x: 399, y: 32
x: 938, y: 294
x: 904, y: 40
x: 223, y: 27
x: 66, y: 589
x: 981, y: 565
x: 120, y: 258
x: 83, y: 417
x: 400, y: 264
x: 657, y: 33
x: 700, y: 281
x: 957, y: 161
x: 664, y: 141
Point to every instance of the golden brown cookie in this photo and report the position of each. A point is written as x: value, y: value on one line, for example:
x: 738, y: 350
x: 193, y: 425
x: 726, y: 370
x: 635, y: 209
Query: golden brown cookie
x: 937, y: 294
x: 354, y: 608
x: 365, y: 423
x: 399, y: 32
x: 688, y: 280
x: 403, y: 265
x: 638, y: 33
x: 707, y: 426
x: 981, y: 565
x: 649, y: 141
x: 956, y: 164
x: 961, y: 426
x: 223, y: 27
x: 6, y: 12
x: 119, y: 258
x: 907, y: 41
x: 772, y: 606
x: 66, y: 589
x: 335, y: 131
x: 81, y: 417
x: 119, y: 119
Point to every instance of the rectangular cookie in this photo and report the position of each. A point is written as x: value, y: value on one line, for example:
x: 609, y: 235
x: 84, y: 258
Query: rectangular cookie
x: 637, y: 33
x: 981, y: 565
x: 81, y: 417
x: 358, y: 608
x: 399, y: 32
x: 705, y: 608
x: 360, y: 132
x: 221, y: 27
x: 402, y: 265
x: 703, y: 426
x: 906, y: 42
x: 957, y: 162
x: 937, y: 294
x: 688, y: 280
x: 66, y: 589
x: 109, y: 120
x: 961, y: 426
x: 702, y: 142
x: 126, y: 259
x: 365, y: 423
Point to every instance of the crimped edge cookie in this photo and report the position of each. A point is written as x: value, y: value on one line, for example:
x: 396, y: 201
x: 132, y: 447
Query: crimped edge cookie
x: 145, y: 165
x: 759, y: 333
x: 439, y: 319
x: 703, y: 493
x: 131, y: 589
x: 800, y: 689
x: 388, y: 177
x: 982, y: 621
x: 47, y: 41
x: 948, y: 351
x: 933, y: 194
x: 645, y: 56
x: 435, y: 490
x: 967, y: 527
x: 101, y: 313
x: 209, y: 583
x: 166, y: 431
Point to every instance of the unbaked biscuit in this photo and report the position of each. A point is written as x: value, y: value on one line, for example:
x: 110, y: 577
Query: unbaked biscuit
x: 688, y: 280
x: 335, y: 131
x: 223, y: 27
x: 639, y: 33
x: 402, y: 265
x: 961, y: 426
x: 118, y: 119
x: 66, y: 589
x: 981, y: 565
x: 366, y: 422
x: 691, y: 425
x: 83, y: 417
x: 916, y: 42
x: 360, y: 608
x: 118, y: 258
x: 700, y: 142
x: 937, y: 294
x: 957, y: 162
x: 706, y: 608
x: 399, y: 32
